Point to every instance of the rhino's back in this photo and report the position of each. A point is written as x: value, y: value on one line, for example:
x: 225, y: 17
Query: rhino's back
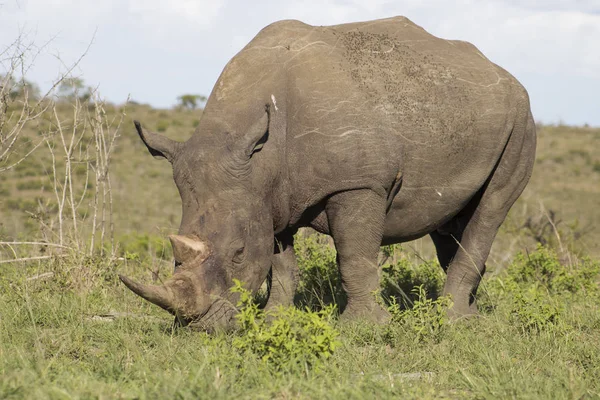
x: 391, y: 70
x: 368, y: 100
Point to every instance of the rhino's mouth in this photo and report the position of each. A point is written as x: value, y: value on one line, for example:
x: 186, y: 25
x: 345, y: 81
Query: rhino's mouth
x: 220, y: 316
x: 186, y: 294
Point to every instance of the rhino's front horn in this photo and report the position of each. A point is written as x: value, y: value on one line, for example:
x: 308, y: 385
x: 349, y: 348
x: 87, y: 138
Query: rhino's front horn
x: 159, y: 295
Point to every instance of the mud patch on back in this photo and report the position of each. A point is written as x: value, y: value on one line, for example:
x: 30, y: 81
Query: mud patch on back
x: 417, y: 86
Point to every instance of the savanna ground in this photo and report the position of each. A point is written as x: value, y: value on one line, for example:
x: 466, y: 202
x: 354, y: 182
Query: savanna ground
x: 69, y: 329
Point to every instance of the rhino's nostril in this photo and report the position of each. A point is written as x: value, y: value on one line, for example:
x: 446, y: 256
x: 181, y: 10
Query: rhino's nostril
x: 177, y: 265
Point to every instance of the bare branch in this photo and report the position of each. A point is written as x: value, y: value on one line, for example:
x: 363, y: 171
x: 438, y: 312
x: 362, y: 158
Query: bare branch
x: 26, y: 259
x: 37, y: 244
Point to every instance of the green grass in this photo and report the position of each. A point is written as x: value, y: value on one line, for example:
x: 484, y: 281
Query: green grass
x: 79, y: 333
x: 54, y: 342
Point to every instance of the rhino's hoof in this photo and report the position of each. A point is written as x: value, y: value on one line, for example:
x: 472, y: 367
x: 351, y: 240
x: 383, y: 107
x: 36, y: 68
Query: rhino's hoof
x: 373, y: 313
x: 456, y: 313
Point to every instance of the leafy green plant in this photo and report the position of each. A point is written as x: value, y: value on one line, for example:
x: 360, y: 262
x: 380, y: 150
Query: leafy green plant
x: 425, y: 321
x: 544, y: 267
x: 285, y: 337
x: 533, y: 311
x: 320, y: 281
x: 399, y: 281
x: 543, y: 273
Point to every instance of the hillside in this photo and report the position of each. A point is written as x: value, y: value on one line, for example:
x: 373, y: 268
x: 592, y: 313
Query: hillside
x: 565, y: 182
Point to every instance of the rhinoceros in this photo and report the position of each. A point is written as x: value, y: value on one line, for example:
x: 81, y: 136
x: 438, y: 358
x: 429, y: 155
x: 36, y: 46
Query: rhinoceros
x: 372, y: 132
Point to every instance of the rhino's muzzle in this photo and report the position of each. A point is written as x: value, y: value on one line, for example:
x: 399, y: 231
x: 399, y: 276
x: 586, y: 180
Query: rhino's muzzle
x: 188, y: 294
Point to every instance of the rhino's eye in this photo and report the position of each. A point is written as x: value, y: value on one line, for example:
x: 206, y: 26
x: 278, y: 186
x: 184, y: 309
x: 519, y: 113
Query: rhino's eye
x: 239, y: 255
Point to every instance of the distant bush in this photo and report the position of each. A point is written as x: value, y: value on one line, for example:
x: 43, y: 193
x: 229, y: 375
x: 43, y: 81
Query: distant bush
x: 18, y: 204
x: 20, y: 89
x: 81, y: 170
x: 543, y: 267
x: 142, y: 246
x: 162, y: 125
x: 535, y: 285
x: 190, y: 101
x: 27, y: 168
x: 287, y: 337
x: 30, y: 185
x: 74, y: 88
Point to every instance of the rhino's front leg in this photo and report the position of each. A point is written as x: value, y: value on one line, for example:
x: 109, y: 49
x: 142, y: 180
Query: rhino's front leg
x: 283, y: 279
x: 356, y: 220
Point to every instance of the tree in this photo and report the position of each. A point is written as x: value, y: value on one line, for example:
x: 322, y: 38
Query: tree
x: 72, y: 88
x: 18, y: 90
x: 190, y: 101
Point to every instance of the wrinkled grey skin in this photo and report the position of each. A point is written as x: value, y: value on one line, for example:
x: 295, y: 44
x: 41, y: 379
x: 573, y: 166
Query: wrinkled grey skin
x: 374, y: 133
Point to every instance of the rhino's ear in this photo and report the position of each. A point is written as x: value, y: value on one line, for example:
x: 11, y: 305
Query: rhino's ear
x: 158, y: 145
x: 257, y: 135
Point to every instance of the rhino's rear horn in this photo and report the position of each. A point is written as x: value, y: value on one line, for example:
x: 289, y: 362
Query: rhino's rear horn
x: 158, y: 145
x: 189, y: 248
x: 159, y: 295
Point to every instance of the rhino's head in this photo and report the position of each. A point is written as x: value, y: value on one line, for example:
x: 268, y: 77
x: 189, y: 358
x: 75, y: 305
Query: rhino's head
x: 226, y: 230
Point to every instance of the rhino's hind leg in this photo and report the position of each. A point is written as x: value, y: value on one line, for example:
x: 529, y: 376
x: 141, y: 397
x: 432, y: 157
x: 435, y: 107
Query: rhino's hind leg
x: 283, y: 279
x: 463, y: 251
x: 356, y: 220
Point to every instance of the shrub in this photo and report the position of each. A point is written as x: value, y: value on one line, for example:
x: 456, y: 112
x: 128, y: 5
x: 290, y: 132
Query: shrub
x: 19, y: 204
x: 286, y: 337
x: 542, y: 272
x: 30, y: 185
x: 425, y: 321
x: 141, y: 246
x: 162, y: 125
x: 26, y: 168
x: 544, y: 267
x: 400, y: 280
x: 320, y: 281
x: 533, y: 311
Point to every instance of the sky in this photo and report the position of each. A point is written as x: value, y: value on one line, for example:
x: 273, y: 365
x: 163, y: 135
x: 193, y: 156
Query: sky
x: 156, y: 50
